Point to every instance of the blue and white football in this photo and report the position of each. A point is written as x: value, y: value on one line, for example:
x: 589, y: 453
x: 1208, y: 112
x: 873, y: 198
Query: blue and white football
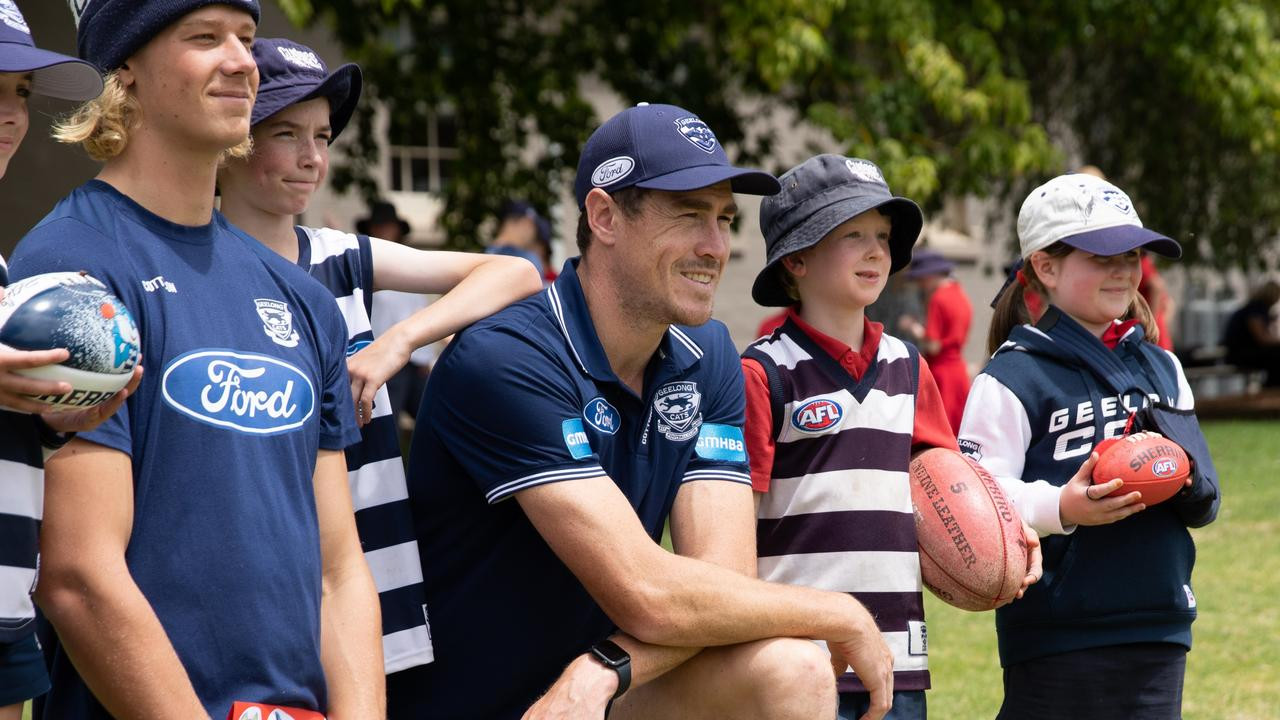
x: 73, y: 311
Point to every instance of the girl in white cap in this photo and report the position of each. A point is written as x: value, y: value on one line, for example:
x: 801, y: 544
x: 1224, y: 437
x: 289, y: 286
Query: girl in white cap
x: 1106, y: 631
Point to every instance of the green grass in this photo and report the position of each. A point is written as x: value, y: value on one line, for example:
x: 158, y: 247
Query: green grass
x: 1233, y: 667
x: 1233, y: 671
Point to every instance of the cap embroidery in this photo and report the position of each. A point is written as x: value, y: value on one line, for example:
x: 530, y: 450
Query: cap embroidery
x: 12, y: 17
x: 612, y: 170
x: 864, y: 171
x: 697, y: 132
x: 301, y: 58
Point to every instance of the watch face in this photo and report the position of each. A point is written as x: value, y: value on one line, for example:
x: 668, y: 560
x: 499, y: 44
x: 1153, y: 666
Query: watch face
x: 610, y: 653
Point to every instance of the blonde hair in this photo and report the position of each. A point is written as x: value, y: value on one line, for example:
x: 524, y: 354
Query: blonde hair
x: 103, y: 125
x: 1011, y: 307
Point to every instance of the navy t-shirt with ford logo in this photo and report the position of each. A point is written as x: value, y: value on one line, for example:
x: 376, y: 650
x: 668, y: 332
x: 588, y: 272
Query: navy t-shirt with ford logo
x: 245, y: 382
x: 522, y: 399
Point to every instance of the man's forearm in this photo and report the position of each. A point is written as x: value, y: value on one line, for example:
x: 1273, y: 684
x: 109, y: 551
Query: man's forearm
x: 119, y: 647
x: 351, y: 646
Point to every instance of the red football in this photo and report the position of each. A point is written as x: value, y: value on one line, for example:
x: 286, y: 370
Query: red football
x: 973, y: 554
x: 1153, y: 465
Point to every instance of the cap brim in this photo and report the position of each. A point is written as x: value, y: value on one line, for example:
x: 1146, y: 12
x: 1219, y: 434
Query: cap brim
x: 1121, y: 239
x: 54, y: 74
x: 742, y: 180
x: 340, y: 110
x: 907, y: 220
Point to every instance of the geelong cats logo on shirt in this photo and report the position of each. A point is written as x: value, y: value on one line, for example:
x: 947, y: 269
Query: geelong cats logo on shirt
x: 277, y: 322
x: 245, y: 392
x: 678, y: 406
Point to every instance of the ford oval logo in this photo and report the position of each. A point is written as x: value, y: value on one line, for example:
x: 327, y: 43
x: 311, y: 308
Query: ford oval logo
x: 246, y: 392
x: 1164, y: 467
x: 612, y: 170
x: 816, y: 415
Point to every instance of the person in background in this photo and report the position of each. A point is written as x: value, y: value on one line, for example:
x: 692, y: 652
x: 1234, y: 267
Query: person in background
x: 1250, y: 336
x: 524, y: 232
x: 390, y: 307
x: 301, y: 110
x: 943, y: 334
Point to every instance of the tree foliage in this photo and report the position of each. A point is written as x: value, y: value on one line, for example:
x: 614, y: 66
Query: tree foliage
x: 1177, y: 100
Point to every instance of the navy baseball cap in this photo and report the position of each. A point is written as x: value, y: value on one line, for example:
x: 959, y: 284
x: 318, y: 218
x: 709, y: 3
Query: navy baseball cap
x: 53, y: 74
x: 108, y: 32
x: 817, y: 196
x: 290, y: 73
x: 660, y: 147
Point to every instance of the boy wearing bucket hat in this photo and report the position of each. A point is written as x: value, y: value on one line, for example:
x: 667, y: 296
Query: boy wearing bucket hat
x: 24, y: 438
x: 836, y: 407
x: 200, y: 552
x: 301, y: 110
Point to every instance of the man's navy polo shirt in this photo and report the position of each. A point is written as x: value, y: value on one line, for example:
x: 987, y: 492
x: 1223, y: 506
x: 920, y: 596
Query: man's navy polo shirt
x: 524, y: 398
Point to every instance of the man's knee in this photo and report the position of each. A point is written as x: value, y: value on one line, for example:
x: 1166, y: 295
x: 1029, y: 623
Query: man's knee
x: 800, y: 681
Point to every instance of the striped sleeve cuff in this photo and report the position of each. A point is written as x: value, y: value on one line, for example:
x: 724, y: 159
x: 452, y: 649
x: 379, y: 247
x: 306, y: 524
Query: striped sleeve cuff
x: 509, y: 488
x: 730, y: 474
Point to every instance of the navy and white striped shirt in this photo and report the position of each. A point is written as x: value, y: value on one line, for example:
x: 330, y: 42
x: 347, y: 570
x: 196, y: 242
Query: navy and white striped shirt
x: 21, y: 504
x: 343, y: 263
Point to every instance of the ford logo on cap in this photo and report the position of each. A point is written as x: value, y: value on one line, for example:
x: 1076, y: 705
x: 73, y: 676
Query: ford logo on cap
x: 245, y: 392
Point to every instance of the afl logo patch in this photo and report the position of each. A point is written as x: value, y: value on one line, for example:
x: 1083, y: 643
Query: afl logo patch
x: 612, y: 170
x: 1164, y: 467
x: 602, y: 416
x: 816, y: 416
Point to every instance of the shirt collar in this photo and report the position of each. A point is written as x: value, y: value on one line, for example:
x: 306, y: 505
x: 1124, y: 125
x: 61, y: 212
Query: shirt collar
x: 871, y: 332
x: 569, y: 307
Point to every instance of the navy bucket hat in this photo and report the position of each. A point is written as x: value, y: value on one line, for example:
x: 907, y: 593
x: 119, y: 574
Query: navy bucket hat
x: 53, y: 74
x: 817, y: 196
x: 660, y: 147
x: 108, y: 32
x: 290, y: 73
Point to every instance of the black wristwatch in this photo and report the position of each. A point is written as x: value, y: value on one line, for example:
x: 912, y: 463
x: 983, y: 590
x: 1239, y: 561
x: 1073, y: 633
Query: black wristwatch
x: 609, y: 654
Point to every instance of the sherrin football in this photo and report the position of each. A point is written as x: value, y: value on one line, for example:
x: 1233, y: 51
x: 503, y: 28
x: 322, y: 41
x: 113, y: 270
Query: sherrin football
x: 73, y: 311
x: 1151, y: 464
x: 973, y: 553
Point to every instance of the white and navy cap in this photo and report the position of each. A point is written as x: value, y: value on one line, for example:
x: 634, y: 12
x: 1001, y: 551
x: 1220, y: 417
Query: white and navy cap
x: 109, y: 31
x: 53, y: 74
x: 1087, y: 213
x: 660, y: 147
x: 290, y: 73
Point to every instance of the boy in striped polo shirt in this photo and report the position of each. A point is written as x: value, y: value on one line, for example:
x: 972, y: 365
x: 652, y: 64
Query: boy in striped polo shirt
x: 836, y: 407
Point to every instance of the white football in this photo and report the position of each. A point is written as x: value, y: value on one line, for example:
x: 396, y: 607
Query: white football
x: 73, y: 311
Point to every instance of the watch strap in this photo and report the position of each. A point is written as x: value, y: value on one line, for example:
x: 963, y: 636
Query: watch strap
x: 612, y: 656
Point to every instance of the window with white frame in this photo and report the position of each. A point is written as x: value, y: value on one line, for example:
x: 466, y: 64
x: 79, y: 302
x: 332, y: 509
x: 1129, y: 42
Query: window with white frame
x: 424, y: 148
